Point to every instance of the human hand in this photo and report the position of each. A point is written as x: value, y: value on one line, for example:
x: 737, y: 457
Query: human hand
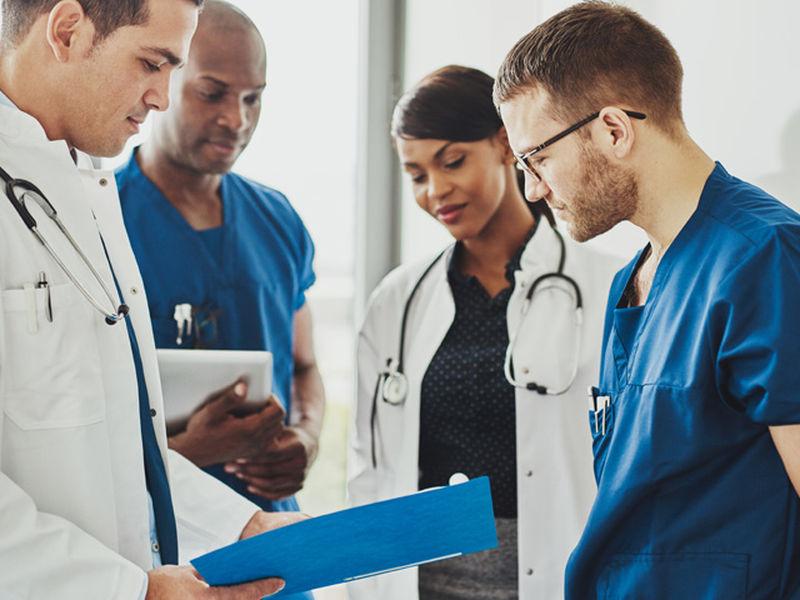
x: 280, y: 470
x: 215, y: 435
x: 172, y: 582
x: 263, y: 521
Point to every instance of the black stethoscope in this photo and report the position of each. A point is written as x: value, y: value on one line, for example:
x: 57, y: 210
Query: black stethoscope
x: 18, y: 202
x: 392, y: 384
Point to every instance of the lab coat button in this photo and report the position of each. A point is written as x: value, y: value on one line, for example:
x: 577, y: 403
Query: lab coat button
x: 529, y: 474
x: 529, y: 572
x: 152, y: 412
x: 156, y: 547
x: 103, y: 181
x: 525, y: 370
x: 134, y: 290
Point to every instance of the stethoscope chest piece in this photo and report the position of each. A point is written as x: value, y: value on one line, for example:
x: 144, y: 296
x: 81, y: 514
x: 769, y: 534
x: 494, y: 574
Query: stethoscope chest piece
x: 395, y: 388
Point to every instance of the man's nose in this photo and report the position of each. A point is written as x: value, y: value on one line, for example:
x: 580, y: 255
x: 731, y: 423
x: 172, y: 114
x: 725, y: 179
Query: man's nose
x: 233, y: 115
x: 157, y: 96
x: 535, y: 188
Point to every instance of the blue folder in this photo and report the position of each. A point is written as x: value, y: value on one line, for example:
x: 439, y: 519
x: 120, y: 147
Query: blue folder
x: 363, y: 541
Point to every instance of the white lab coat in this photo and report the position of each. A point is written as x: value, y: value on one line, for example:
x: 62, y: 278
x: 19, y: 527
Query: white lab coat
x: 554, y: 457
x: 73, y: 498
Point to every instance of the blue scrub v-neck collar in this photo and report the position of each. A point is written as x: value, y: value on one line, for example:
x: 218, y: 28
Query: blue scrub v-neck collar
x: 630, y: 322
x: 183, y: 226
x: 684, y: 235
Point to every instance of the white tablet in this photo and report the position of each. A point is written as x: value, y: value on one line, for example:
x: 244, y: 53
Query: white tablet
x: 188, y: 377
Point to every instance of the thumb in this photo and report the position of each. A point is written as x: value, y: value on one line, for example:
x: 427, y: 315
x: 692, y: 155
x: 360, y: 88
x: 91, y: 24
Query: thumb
x: 229, y: 399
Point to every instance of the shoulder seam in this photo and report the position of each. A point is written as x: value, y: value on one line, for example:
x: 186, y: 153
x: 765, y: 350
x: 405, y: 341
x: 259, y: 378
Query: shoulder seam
x: 728, y: 226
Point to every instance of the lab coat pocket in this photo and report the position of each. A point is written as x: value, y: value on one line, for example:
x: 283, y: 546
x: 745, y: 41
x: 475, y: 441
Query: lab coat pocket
x: 52, y: 368
x: 695, y: 575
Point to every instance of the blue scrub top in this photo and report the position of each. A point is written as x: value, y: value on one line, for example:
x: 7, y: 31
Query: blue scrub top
x: 693, y: 499
x: 249, y: 276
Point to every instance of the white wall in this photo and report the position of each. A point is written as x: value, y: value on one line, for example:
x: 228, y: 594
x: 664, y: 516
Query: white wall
x: 741, y: 90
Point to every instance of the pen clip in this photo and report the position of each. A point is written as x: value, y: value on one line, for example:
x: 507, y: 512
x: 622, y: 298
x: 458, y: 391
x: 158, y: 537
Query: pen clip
x: 593, y: 393
x: 599, y: 404
x: 183, y: 320
x: 48, y: 302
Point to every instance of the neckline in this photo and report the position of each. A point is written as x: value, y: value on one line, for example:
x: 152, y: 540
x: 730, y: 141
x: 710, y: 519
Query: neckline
x: 668, y: 258
x: 183, y: 228
x: 513, y: 264
x: 228, y: 208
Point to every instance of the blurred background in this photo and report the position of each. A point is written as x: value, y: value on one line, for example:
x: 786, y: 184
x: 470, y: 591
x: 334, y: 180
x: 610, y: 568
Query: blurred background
x: 335, y: 70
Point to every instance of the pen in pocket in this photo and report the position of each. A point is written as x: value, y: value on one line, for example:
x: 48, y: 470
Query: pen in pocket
x: 48, y: 304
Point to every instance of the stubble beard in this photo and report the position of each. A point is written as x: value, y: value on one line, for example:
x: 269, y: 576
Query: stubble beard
x: 607, y: 195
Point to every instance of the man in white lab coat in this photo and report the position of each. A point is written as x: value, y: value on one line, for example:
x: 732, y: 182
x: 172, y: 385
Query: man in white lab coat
x: 91, y: 502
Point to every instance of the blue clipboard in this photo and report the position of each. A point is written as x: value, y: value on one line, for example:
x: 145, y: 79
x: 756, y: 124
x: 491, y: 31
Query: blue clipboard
x: 363, y: 541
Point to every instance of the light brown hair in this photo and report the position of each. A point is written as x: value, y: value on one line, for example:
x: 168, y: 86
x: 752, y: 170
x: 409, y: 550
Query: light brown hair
x: 596, y: 54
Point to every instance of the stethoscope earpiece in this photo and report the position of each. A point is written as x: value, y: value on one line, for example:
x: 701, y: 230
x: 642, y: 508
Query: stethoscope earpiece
x: 122, y: 312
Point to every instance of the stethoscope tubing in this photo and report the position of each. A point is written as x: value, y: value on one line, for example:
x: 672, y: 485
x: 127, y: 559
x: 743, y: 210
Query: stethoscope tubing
x: 30, y: 190
x: 394, y: 377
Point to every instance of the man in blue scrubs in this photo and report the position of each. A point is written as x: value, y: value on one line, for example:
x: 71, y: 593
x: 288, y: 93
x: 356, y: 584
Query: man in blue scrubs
x: 234, y: 256
x: 695, y: 416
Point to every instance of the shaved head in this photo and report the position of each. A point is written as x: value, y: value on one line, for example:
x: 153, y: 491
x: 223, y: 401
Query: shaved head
x: 220, y: 22
x: 226, y: 14
x: 216, y: 98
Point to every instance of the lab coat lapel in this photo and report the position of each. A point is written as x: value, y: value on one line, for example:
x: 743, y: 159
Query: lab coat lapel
x: 430, y: 317
x: 543, y: 252
x: 544, y: 342
x: 106, y: 208
x: 51, y: 168
x: 429, y: 320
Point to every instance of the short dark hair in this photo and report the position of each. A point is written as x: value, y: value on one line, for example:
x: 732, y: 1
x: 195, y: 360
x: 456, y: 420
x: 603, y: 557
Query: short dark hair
x: 594, y: 54
x: 107, y: 16
x: 453, y: 103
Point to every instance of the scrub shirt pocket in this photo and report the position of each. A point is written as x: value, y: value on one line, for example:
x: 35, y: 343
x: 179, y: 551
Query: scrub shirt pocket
x: 601, y: 424
x: 52, y: 369
x: 165, y: 332
x: 699, y: 576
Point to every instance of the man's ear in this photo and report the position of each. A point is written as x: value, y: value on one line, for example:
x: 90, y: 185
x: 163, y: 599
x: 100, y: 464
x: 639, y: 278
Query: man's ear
x: 616, y: 131
x: 69, y: 30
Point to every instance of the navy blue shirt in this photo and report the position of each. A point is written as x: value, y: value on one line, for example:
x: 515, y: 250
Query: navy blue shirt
x: 468, y: 409
x: 245, y: 283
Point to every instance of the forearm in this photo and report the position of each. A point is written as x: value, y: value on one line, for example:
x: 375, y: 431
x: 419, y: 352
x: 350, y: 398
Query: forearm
x: 787, y: 441
x: 308, y: 400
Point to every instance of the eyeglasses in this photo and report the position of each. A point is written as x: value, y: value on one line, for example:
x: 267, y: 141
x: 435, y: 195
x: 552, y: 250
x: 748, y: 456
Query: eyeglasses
x: 524, y: 162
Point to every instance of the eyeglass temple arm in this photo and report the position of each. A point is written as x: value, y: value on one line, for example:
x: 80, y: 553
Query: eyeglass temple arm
x: 631, y: 113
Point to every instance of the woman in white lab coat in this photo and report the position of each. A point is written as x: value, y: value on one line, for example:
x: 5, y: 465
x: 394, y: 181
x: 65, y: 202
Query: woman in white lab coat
x: 434, y: 382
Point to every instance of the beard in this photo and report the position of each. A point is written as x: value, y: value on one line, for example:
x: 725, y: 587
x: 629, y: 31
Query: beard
x: 607, y: 195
